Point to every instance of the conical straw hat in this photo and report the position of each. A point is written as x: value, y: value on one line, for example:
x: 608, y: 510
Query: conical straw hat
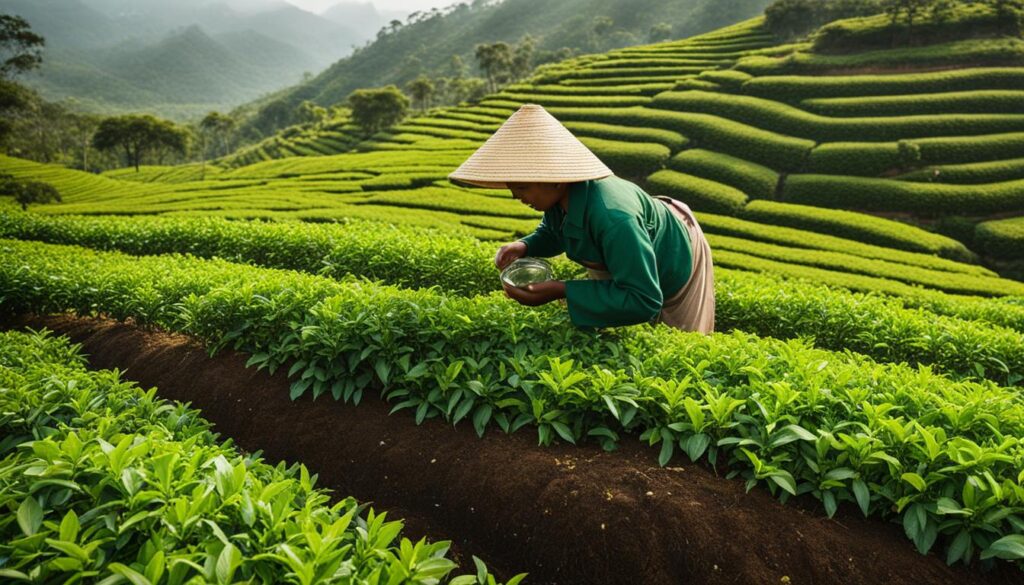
x: 531, y: 146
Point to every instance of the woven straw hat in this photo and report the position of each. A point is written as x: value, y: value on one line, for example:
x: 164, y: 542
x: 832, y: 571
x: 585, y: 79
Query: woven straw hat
x: 531, y: 146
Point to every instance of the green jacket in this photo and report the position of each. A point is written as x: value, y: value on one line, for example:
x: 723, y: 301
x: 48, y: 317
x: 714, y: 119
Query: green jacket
x: 612, y: 221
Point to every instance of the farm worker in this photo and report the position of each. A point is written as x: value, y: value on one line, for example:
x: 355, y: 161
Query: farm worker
x: 647, y: 258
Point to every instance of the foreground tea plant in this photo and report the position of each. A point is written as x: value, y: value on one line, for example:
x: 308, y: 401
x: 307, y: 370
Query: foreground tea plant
x: 942, y: 456
x: 103, y: 482
x: 964, y: 338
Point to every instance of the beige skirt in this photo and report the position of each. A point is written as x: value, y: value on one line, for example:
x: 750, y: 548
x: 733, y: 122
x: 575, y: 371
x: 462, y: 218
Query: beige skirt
x: 692, y: 307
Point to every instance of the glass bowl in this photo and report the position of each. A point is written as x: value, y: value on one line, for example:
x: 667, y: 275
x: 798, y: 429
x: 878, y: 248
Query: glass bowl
x: 525, y: 271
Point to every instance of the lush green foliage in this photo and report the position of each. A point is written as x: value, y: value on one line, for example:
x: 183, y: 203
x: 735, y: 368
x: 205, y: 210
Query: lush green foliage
x: 700, y: 194
x: 789, y: 120
x: 927, y: 199
x: 875, y: 158
x: 856, y: 226
x: 959, y: 102
x: 798, y: 238
x: 940, y: 455
x: 467, y: 267
x: 740, y: 140
x: 999, y: 51
x: 795, y: 88
x: 953, y: 282
x: 970, y: 173
x: 105, y: 482
x: 1003, y: 239
x: 629, y: 159
x: 754, y: 180
x: 881, y: 30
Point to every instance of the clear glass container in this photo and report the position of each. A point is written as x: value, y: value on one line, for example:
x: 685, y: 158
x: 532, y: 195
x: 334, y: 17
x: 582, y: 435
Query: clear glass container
x: 526, y: 271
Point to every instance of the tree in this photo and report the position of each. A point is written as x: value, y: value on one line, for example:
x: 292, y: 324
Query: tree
x: 28, y: 192
x: 219, y: 127
x: 377, y: 109
x: 20, y: 47
x: 494, y: 60
x: 308, y: 112
x: 660, y: 32
x: 457, y: 66
x: 599, y: 28
x: 137, y: 135
x: 522, y: 58
x: 421, y: 89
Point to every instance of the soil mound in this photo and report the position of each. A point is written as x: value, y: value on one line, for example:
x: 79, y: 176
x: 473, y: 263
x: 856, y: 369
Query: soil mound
x: 565, y: 514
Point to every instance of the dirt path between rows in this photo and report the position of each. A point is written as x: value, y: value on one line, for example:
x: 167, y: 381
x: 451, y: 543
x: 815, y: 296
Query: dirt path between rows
x: 565, y: 514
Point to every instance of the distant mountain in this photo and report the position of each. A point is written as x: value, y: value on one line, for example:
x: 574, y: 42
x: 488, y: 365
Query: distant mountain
x: 66, y: 23
x: 361, y: 16
x: 149, y: 54
x: 186, y: 67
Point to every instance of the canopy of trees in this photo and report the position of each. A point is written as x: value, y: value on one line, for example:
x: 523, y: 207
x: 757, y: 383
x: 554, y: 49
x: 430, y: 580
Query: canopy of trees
x: 379, y: 108
x: 138, y: 135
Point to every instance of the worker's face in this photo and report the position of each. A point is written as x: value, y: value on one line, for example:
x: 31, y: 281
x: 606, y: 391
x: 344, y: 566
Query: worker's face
x: 540, y: 196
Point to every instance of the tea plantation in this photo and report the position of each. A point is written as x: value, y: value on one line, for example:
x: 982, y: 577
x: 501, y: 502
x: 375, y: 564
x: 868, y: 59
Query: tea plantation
x: 865, y: 210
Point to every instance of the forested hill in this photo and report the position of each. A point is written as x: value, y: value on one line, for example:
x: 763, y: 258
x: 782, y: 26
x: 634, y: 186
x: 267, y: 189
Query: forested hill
x: 180, y: 59
x: 426, y: 42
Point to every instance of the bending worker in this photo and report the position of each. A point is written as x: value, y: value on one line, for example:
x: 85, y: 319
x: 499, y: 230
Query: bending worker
x: 647, y: 257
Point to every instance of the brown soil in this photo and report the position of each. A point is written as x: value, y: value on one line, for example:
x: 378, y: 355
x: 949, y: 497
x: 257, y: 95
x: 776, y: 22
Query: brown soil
x: 565, y: 514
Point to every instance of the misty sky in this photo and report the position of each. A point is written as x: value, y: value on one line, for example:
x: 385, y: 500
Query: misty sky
x: 402, y: 5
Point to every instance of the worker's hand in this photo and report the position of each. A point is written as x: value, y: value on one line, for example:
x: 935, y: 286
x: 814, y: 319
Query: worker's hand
x: 536, y: 294
x: 509, y: 253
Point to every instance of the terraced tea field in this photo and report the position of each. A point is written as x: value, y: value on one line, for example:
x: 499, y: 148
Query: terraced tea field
x: 856, y: 418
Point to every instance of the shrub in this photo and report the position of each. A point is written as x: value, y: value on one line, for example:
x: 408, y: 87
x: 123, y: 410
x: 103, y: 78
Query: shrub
x: 928, y: 199
x: 857, y: 226
x: 1002, y: 239
x: 699, y: 194
x: 756, y: 181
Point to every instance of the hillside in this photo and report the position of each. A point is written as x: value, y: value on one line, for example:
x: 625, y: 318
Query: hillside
x: 426, y: 43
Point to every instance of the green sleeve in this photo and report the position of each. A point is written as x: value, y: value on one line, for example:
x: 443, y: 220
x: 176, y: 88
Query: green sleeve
x: 544, y: 241
x: 633, y: 295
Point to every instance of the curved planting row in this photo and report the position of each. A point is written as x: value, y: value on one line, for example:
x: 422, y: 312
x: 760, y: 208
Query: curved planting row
x: 875, y: 158
x: 958, y: 102
x: 996, y: 171
x: 777, y: 151
x: 930, y: 199
x: 756, y: 181
x: 410, y: 257
x: 789, y: 120
x: 796, y: 239
x: 857, y: 226
x: 104, y: 481
x: 794, y: 88
x: 1002, y: 239
x: 999, y: 51
x: 939, y: 455
x: 952, y: 282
